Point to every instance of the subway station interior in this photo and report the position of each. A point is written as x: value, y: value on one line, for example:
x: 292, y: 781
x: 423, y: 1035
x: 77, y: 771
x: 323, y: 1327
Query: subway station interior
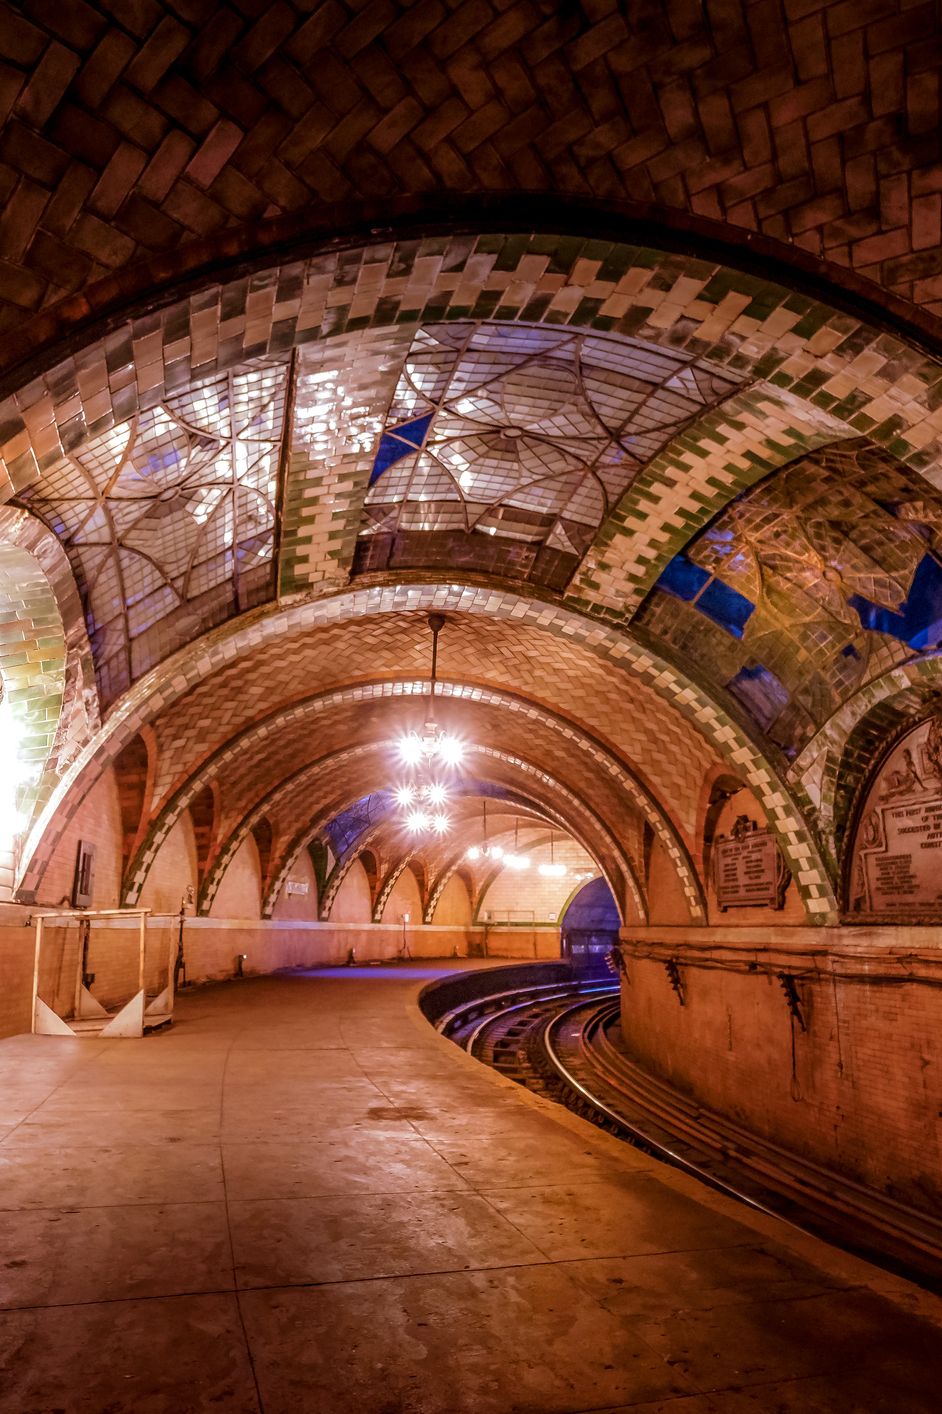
x: 470, y: 707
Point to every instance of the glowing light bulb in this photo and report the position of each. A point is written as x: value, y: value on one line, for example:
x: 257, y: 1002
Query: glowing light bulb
x: 440, y: 824
x: 450, y: 750
x: 418, y: 821
x: 497, y: 851
x: 435, y: 793
x: 405, y: 795
x: 473, y: 853
x: 410, y: 749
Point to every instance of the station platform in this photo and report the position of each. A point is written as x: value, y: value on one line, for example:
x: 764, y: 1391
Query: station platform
x: 301, y: 1198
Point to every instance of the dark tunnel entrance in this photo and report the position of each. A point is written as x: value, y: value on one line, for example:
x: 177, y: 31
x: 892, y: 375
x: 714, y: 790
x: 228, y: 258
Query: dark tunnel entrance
x: 589, y: 926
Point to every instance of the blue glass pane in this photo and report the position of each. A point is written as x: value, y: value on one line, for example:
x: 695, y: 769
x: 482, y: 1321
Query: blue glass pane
x: 683, y: 578
x: 400, y: 442
x: 761, y: 692
x: 919, y: 621
x: 726, y: 607
x: 414, y: 432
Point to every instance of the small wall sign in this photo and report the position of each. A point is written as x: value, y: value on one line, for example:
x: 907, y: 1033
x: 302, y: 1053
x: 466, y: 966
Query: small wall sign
x: 748, y: 868
x: 83, y: 881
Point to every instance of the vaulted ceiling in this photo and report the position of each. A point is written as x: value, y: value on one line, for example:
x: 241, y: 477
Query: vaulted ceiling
x: 676, y: 490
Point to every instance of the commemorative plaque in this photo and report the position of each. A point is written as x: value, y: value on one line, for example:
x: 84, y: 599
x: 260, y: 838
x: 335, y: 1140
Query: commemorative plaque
x: 748, y: 868
x: 897, y: 858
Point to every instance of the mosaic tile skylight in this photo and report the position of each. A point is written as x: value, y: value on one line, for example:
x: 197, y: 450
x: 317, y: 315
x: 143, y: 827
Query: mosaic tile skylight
x: 169, y: 519
x: 525, y: 434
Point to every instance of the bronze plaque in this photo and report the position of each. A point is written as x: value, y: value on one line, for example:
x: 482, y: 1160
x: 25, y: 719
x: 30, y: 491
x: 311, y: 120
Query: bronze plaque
x: 897, y: 864
x: 748, y: 869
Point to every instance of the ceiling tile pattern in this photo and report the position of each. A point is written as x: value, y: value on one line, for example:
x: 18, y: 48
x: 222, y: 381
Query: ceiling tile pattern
x: 169, y: 519
x: 525, y: 434
x: 526, y: 661
x: 817, y: 580
x: 149, y: 133
x: 812, y: 370
x: 610, y: 655
x: 254, y: 767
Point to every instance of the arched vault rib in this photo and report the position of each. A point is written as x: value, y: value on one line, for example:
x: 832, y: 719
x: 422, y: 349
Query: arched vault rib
x: 373, y: 838
x: 335, y: 878
x: 591, y: 833
x: 832, y: 767
x: 692, y: 480
x: 546, y: 812
x: 246, y: 746
x: 159, y: 689
x: 387, y: 885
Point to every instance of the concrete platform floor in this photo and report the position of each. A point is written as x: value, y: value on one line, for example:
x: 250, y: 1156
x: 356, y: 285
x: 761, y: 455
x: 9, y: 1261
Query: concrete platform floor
x: 302, y: 1199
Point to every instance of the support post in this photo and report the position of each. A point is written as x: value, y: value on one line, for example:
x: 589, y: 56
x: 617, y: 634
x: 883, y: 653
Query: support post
x: 171, y: 967
x: 140, y: 970
x: 36, y: 951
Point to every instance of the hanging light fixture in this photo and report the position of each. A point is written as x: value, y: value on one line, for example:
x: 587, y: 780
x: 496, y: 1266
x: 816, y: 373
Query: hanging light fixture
x: 424, y: 797
x: 516, y: 860
x: 484, y: 850
x: 552, y: 870
x: 432, y: 746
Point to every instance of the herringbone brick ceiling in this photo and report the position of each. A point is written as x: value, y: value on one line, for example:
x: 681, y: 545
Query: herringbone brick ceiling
x: 148, y: 138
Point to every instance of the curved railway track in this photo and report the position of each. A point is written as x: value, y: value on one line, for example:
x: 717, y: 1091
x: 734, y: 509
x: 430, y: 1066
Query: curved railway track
x: 562, y: 1041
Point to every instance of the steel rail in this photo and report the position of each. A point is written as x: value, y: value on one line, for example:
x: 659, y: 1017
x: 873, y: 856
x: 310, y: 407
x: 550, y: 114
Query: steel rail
x: 828, y: 1213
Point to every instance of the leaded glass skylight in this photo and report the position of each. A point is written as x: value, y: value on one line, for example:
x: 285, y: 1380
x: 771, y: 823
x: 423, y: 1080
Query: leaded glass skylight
x: 525, y: 434
x: 169, y: 519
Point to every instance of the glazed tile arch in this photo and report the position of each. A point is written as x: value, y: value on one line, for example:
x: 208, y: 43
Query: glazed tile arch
x: 160, y: 688
x: 743, y: 327
x: 574, y: 807
x: 300, y: 781
x: 749, y: 327
x: 838, y: 771
x: 241, y: 748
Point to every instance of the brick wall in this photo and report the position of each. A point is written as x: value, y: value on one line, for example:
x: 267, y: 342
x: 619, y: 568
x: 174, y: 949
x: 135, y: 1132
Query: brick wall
x: 16, y: 970
x: 523, y: 941
x: 298, y: 907
x: 863, y: 1092
x: 98, y: 820
x: 404, y: 898
x: 354, y: 903
x: 666, y: 900
x: 454, y: 905
x: 173, y: 869
x: 240, y: 893
x: 528, y: 894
